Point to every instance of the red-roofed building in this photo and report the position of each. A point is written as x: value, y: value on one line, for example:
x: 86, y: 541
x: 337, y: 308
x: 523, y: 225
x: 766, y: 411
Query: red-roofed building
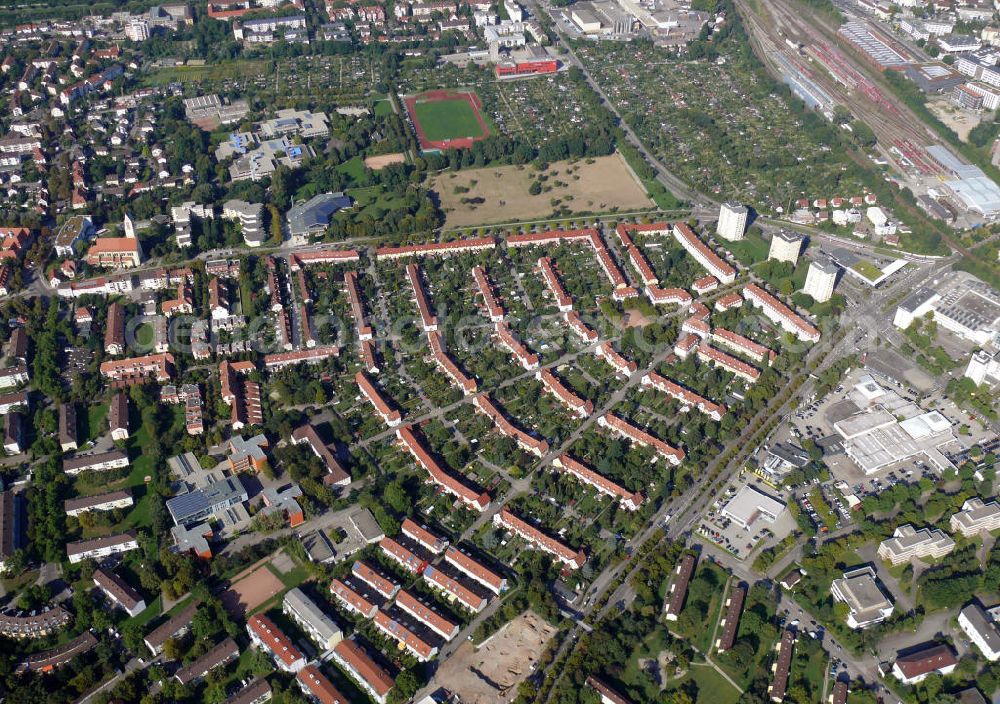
x: 115, y: 252
x: 916, y: 667
x: 426, y: 615
x: 133, y: 369
x: 622, y: 366
x: 582, y: 408
x: 687, y: 397
x: 705, y: 284
x: 686, y: 344
x: 703, y: 254
x: 780, y: 314
x: 454, y: 590
x: 448, y: 483
x: 448, y: 365
x: 563, y: 301
x: 549, y: 237
x: 377, y: 581
x: 464, y: 563
x: 402, y: 555
x: 357, y: 309
x: 525, y: 357
x: 363, y: 670
x: 427, y: 317
x: 528, y: 443
x: 407, y: 639
x: 743, y: 345
x: 318, y: 688
x: 280, y: 360
x: 390, y: 415
x: 423, y: 537
x: 729, y: 301
x: 300, y: 260
x: 622, y: 428
x: 579, y: 327
x: 335, y: 474
x: 668, y: 296
x: 352, y: 599
x: 572, y: 559
x: 493, y: 307
x: 436, y: 248
x: 269, y: 638
x: 716, y: 357
x: 696, y: 326
x: 631, y: 501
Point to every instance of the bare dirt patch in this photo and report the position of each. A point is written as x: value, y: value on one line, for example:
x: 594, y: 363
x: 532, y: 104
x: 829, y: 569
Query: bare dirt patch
x: 960, y: 120
x: 491, y: 673
x: 251, y: 591
x: 500, y: 194
x: 382, y: 160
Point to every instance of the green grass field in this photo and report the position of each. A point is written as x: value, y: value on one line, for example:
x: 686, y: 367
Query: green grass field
x: 448, y: 119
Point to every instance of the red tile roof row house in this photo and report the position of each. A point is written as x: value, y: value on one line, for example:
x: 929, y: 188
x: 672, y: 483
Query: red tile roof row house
x: 453, y: 590
x: 242, y: 395
x: 157, y: 366
x: 686, y: 344
x: 353, y: 598
x: 572, y: 559
x: 368, y: 357
x: 527, y: 359
x: 744, y: 345
x: 582, y: 330
x: 280, y: 360
x: 622, y: 428
x: 14, y: 241
x: 493, y: 307
x: 582, y: 408
x: 548, y: 237
x: 535, y: 446
x: 365, y: 671
x: 448, y: 365
x: 300, y: 260
x: 687, y: 397
x: 696, y: 326
x: 426, y: 615
x: 622, y: 366
x: 780, y: 314
x: 700, y: 311
x: 428, y: 319
x: 423, y: 537
x: 668, y: 296
x: 272, y: 640
x: 470, y: 567
x: 679, y: 587
x: 390, y: 416
x: 630, y: 500
x: 357, y: 309
x: 717, y: 357
x: 114, y: 330
x: 436, y: 248
x: 402, y: 555
x: 563, y: 301
x: 705, y: 284
x: 729, y: 301
x: 407, y: 639
x: 319, y: 689
x: 703, y: 254
x: 439, y: 476
x: 374, y: 579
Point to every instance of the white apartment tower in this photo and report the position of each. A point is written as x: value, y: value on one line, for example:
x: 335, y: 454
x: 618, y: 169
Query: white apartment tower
x: 732, y: 221
x: 820, y: 280
x: 785, y: 247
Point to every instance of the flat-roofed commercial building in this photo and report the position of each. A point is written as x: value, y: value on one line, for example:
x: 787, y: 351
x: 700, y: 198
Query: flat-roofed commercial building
x: 976, y: 517
x: 867, y: 602
x: 312, y: 619
x: 750, y: 505
x: 907, y: 542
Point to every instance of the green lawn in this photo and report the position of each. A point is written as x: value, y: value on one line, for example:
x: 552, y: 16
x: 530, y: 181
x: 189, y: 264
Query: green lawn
x: 144, y: 335
x: 353, y: 168
x: 448, y: 119
x: 752, y: 249
x: 95, y: 422
x: 713, y: 688
x: 220, y: 71
x: 383, y: 107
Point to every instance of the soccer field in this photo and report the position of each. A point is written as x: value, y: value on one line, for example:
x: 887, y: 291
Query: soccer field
x: 448, y: 119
